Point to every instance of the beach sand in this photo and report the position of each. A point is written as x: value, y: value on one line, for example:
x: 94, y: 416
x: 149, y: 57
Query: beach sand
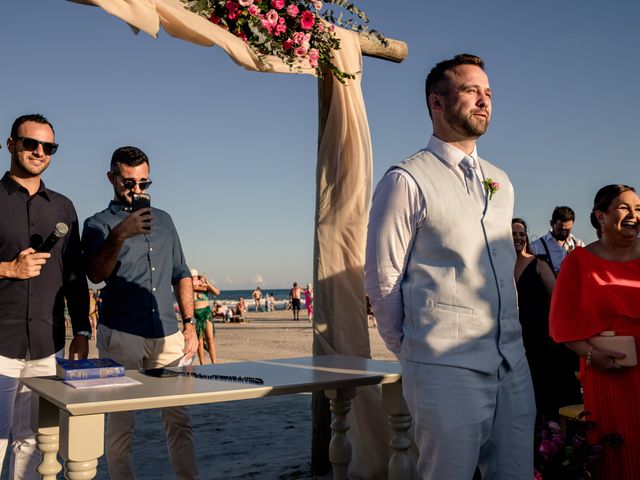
x: 266, y: 438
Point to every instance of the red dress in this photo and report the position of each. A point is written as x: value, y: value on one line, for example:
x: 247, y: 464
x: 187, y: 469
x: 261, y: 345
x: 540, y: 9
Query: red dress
x: 593, y: 295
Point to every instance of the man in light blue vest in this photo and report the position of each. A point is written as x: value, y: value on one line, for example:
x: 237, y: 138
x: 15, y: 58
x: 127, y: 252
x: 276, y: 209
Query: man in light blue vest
x: 439, y: 274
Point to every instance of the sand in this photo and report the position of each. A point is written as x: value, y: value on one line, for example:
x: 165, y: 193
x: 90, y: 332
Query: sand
x: 266, y: 438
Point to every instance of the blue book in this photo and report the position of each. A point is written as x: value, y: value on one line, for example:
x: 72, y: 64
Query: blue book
x: 88, y: 368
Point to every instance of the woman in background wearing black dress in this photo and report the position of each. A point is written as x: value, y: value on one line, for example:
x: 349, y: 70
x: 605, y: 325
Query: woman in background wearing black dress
x: 553, y: 366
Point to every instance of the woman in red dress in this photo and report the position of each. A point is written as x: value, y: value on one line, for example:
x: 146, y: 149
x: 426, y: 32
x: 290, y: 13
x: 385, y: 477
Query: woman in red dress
x: 598, y: 290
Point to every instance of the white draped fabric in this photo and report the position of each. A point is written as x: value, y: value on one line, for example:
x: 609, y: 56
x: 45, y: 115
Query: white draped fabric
x: 343, y: 199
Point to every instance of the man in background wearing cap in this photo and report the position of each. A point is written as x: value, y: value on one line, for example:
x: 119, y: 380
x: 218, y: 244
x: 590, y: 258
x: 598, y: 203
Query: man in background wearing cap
x: 139, y: 257
x: 34, y: 285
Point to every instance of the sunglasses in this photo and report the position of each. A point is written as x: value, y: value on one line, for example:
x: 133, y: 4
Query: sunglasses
x: 130, y: 184
x: 49, y: 148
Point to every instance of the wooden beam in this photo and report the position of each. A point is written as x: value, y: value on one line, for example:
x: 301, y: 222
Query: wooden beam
x: 395, y: 51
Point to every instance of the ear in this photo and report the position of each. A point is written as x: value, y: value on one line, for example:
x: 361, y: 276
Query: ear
x: 435, y: 102
x: 11, y: 143
x: 599, y: 216
x: 111, y: 177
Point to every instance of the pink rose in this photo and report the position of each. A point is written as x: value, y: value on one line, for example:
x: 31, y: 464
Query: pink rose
x: 314, y: 56
x: 253, y: 10
x: 300, y: 51
x: 321, y: 27
x: 287, y: 44
x: 293, y: 10
x: 279, y: 29
x: 272, y: 17
x: 277, y: 4
x: 266, y: 25
x: 298, y: 38
x: 245, y: 3
x: 317, y: 4
x: 307, y: 20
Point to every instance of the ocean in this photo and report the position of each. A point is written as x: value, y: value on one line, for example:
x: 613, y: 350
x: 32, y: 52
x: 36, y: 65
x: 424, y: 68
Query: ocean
x: 234, y: 295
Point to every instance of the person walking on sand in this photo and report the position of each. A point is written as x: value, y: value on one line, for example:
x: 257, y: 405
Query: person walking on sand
x: 439, y: 274
x: 257, y: 296
x: 308, y: 301
x: 295, y: 295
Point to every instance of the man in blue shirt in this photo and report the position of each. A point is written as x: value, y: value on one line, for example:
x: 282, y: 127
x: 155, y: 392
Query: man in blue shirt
x: 139, y: 257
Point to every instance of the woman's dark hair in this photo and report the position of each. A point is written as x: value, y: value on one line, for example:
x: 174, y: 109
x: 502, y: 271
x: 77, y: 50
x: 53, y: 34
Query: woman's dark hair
x: 526, y: 232
x: 603, y: 199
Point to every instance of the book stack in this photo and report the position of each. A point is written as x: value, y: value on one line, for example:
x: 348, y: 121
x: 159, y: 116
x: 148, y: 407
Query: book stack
x: 92, y: 372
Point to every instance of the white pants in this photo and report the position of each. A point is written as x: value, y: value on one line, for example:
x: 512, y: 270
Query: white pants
x: 15, y: 414
x: 464, y: 418
x: 136, y: 352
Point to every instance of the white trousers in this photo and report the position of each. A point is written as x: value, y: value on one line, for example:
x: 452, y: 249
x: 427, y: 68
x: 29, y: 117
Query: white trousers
x: 15, y: 414
x: 136, y: 352
x: 464, y: 418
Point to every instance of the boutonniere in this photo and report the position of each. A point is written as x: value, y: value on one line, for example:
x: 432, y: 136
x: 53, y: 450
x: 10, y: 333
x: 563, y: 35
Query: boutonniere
x: 490, y: 187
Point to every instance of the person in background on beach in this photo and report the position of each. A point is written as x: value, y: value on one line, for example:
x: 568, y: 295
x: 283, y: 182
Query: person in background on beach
x: 257, y: 296
x: 139, y: 257
x: 203, y: 314
x: 272, y: 301
x: 295, y: 295
x: 553, y: 366
x: 93, y: 311
x: 308, y: 301
x: 33, y: 286
x: 371, y: 319
x: 241, y: 308
x: 439, y: 274
x: 598, y: 291
x: 559, y: 241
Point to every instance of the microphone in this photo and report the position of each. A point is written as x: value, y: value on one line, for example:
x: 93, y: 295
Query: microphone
x: 59, y: 231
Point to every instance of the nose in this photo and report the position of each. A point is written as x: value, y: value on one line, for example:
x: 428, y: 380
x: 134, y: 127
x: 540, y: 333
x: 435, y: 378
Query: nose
x: 39, y: 151
x: 136, y: 188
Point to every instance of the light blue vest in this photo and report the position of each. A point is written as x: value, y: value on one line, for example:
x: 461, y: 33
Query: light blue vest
x: 460, y: 304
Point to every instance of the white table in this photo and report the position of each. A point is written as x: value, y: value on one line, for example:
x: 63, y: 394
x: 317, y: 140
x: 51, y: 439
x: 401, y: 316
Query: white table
x: 72, y: 421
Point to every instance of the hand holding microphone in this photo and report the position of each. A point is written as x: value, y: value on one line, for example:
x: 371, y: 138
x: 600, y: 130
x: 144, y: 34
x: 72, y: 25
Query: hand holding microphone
x: 29, y: 261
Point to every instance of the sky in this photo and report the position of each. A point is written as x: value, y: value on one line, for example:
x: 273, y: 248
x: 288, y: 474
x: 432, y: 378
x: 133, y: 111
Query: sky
x: 233, y: 153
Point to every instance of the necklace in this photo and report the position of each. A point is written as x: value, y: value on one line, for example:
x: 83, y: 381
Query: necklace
x: 224, y: 378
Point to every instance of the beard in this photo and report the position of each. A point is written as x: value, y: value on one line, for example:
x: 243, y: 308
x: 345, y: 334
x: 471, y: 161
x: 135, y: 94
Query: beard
x: 561, y: 236
x: 469, y: 125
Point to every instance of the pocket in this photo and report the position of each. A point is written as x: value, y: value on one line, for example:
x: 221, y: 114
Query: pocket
x: 103, y: 340
x: 452, y: 308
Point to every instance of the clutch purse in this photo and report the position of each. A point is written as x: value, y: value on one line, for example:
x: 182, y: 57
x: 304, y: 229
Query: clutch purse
x: 624, y: 344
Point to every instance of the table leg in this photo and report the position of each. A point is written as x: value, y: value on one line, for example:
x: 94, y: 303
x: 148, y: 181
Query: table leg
x: 340, y: 445
x: 45, y: 422
x: 400, y: 464
x: 82, y: 442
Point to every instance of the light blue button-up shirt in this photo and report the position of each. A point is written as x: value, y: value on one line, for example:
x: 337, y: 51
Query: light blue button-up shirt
x: 138, y: 296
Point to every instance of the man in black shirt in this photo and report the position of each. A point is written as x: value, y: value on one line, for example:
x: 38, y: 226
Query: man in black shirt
x: 34, y: 285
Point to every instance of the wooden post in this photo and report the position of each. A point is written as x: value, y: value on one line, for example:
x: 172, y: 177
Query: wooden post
x: 395, y: 51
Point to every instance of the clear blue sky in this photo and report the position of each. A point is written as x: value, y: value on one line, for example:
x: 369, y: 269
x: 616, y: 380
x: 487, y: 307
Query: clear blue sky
x: 233, y: 152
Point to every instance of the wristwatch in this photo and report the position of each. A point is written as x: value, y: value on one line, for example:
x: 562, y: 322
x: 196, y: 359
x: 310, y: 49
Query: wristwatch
x: 189, y: 320
x: 84, y: 333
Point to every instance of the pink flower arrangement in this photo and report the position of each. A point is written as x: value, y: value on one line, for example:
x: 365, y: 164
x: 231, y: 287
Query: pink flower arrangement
x: 292, y: 30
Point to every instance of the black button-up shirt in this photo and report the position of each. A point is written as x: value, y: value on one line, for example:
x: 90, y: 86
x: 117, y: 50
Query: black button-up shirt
x: 138, y: 298
x: 32, y: 310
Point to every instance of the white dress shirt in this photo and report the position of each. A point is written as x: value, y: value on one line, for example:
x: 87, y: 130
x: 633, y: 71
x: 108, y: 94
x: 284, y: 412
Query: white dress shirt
x: 390, y: 238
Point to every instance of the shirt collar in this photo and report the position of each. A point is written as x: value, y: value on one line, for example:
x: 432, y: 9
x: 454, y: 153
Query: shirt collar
x: 117, y: 207
x: 12, y: 186
x: 449, y: 154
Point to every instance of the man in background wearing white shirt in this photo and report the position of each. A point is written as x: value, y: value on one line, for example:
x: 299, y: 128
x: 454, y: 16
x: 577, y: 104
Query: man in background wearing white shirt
x: 559, y: 241
x: 439, y: 274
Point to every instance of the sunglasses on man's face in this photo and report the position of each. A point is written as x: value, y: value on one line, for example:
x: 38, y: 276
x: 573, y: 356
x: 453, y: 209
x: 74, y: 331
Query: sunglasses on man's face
x: 31, y: 144
x: 130, y: 184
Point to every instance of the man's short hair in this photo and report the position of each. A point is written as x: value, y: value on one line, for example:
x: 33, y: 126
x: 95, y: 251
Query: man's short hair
x: 32, y: 117
x: 130, y: 156
x: 564, y: 214
x: 437, y: 75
